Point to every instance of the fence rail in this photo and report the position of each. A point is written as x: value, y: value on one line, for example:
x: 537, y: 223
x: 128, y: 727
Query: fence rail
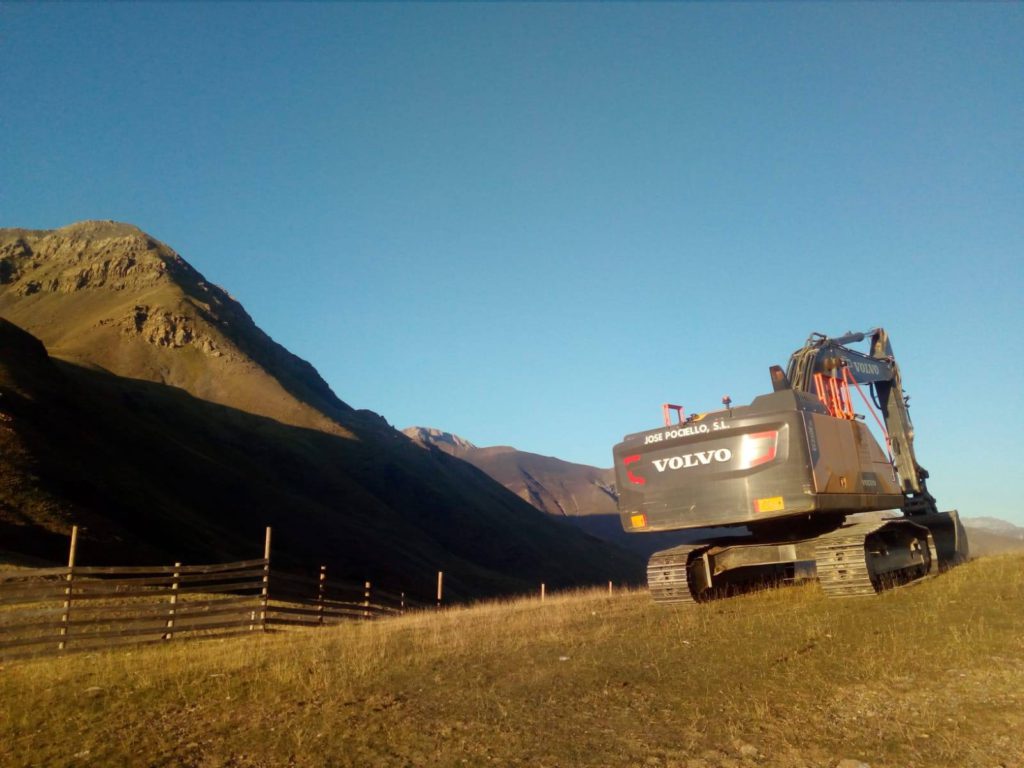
x: 58, y: 610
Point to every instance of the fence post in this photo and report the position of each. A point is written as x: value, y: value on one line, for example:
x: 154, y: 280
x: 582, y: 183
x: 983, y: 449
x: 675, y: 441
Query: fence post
x: 265, y: 591
x: 609, y: 589
x: 440, y: 587
x: 174, y: 601
x: 366, y: 600
x: 402, y: 605
x: 320, y: 596
x: 542, y: 591
x: 65, y: 619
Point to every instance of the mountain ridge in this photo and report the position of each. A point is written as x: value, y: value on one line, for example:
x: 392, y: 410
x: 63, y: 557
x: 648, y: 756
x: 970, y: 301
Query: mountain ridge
x: 578, y: 493
x: 553, y: 485
x: 131, y: 298
x: 145, y: 403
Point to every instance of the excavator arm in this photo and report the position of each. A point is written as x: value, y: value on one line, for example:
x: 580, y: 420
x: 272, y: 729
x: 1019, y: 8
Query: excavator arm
x: 827, y: 365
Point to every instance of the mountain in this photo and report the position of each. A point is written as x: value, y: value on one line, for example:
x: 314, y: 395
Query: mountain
x: 107, y: 295
x: 996, y: 526
x: 579, y: 493
x: 992, y: 536
x: 560, y: 488
x: 144, y: 404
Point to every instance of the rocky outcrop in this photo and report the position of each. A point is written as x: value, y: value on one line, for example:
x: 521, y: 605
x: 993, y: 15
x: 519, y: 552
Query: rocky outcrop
x: 108, y: 294
x: 166, y: 329
x: 437, y: 438
x: 57, y: 262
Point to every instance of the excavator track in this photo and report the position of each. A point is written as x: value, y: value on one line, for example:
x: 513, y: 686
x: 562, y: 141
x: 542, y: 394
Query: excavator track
x: 847, y: 559
x: 842, y: 562
x: 861, y: 558
x: 668, y: 574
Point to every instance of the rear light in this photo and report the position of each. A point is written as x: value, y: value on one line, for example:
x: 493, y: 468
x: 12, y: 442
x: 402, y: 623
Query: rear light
x: 634, y: 478
x: 757, y: 449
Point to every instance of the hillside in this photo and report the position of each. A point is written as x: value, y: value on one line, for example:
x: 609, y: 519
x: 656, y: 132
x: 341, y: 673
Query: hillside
x: 171, y: 427
x: 107, y: 295
x: 578, y: 493
x: 928, y: 676
x: 991, y: 536
x: 560, y: 488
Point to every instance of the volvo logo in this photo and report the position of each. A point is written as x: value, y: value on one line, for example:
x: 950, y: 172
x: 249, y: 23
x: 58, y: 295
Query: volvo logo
x: 696, y: 459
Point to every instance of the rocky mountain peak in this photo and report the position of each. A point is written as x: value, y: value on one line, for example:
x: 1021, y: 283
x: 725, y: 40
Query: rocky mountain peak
x: 99, y: 229
x: 106, y: 293
x: 435, y: 437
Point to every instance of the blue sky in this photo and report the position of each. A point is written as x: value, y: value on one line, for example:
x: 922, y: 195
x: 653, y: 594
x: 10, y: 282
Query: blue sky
x: 533, y: 224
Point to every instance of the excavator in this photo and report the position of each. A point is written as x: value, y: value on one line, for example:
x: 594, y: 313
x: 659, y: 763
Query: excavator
x: 800, y: 479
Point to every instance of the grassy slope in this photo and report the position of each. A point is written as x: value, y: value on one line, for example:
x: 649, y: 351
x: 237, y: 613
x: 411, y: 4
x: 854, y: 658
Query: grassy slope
x: 930, y: 675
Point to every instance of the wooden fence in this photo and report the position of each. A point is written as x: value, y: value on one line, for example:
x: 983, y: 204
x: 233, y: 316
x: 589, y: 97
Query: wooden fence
x: 300, y: 601
x: 56, y: 610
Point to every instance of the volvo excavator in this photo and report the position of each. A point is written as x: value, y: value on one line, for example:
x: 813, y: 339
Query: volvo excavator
x: 800, y: 478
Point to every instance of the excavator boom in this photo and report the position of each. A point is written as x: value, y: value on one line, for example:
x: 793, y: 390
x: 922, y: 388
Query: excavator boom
x: 823, y: 357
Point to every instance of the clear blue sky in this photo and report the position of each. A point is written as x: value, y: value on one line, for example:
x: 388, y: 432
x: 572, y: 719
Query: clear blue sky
x: 533, y: 224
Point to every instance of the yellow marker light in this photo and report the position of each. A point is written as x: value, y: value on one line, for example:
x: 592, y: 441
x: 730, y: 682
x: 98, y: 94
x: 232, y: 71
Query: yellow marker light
x: 638, y: 521
x: 771, y: 504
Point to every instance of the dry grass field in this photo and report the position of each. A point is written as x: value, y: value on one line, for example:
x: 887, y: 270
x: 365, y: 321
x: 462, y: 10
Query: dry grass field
x: 928, y: 675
